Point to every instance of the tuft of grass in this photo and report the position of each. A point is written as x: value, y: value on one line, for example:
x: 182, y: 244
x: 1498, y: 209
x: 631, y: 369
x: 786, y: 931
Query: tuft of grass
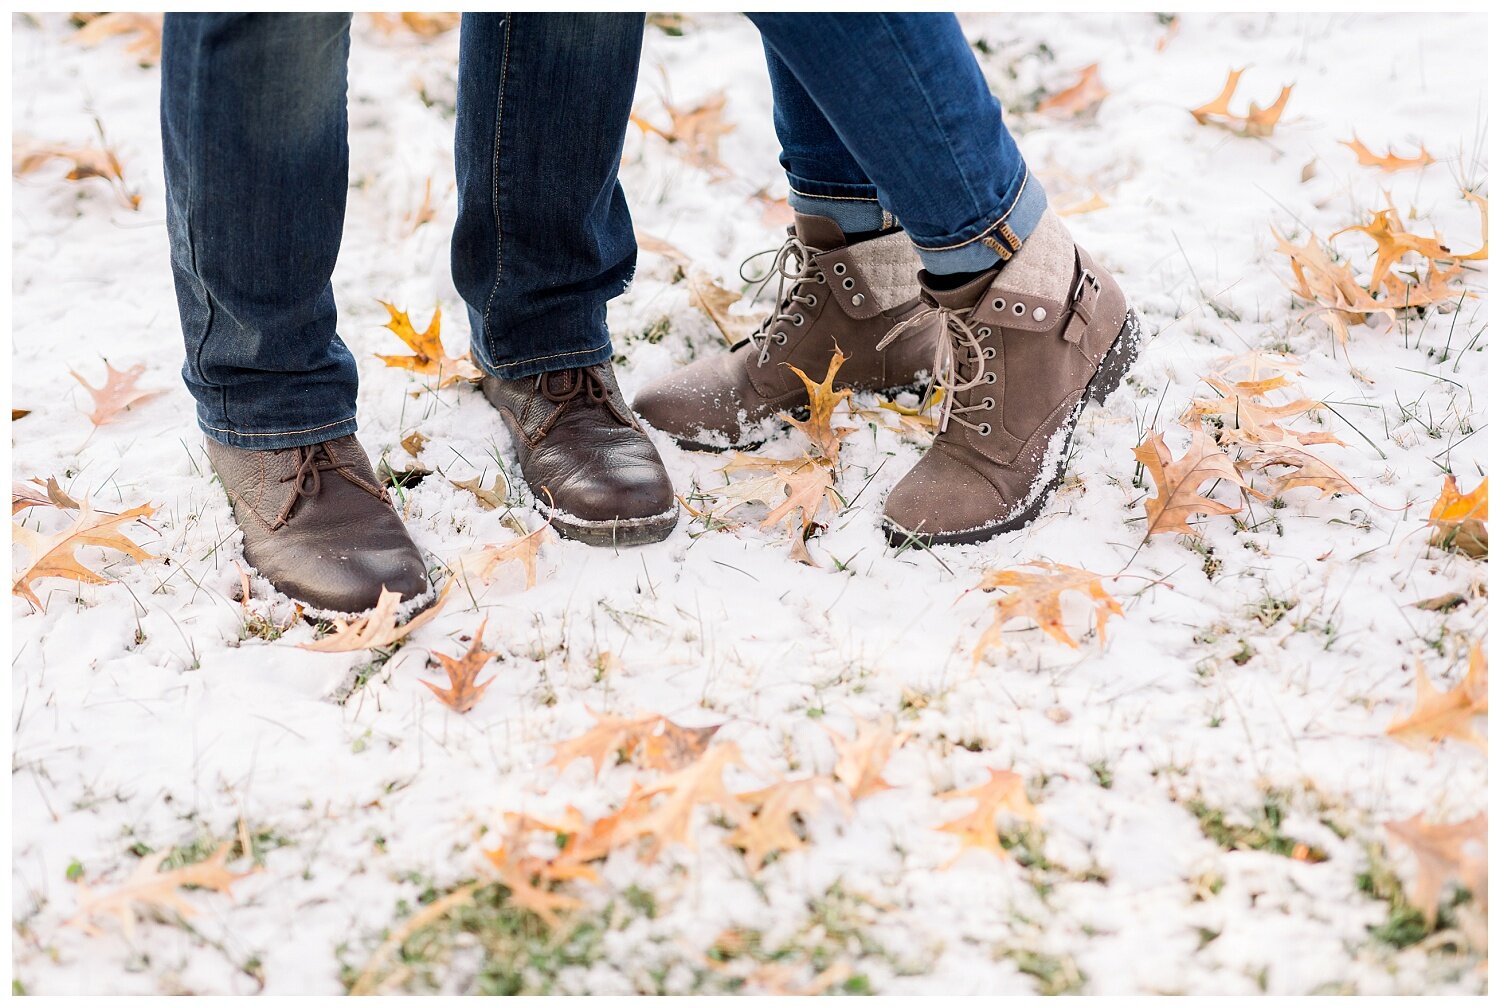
x: 1262, y: 833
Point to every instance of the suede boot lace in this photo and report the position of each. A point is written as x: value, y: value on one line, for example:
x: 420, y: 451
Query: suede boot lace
x: 312, y: 462
x: 797, y: 271
x: 582, y: 382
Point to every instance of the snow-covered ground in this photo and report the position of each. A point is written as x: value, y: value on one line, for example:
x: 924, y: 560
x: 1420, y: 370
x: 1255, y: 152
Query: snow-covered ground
x: 1257, y: 669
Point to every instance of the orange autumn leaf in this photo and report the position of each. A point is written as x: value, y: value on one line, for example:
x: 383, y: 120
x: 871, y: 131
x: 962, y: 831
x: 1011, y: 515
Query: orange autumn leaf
x: 378, y: 627
x: 1392, y: 243
x: 1179, y: 480
x: 1037, y: 596
x: 1438, y: 716
x: 146, y: 46
x: 1247, y: 417
x: 525, y: 878
x: 1289, y: 451
x: 705, y: 294
x: 1004, y: 791
x: 771, y: 827
x: 426, y: 24
x: 87, y: 162
x: 823, y: 399
x: 53, y: 556
x: 694, y: 132
x: 1461, y: 521
x: 1256, y: 122
x: 1083, y: 96
x: 428, y: 355
x: 861, y: 760
x: 670, y: 820
x: 1094, y: 202
x: 117, y: 394
x: 150, y: 890
x: 1453, y: 852
x: 651, y: 741
x: 1483, y: 252
x: 1390, y: 162
x: 463, y: 690
x: 39, y: 494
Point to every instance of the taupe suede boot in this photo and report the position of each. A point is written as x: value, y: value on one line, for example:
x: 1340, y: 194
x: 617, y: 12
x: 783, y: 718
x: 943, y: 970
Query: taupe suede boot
x: 1026, y: 346
x: 832, y: 294
x: 319, y: 526
x: 591, y: 468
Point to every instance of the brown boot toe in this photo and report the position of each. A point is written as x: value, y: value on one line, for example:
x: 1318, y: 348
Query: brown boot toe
x: 971, y: 501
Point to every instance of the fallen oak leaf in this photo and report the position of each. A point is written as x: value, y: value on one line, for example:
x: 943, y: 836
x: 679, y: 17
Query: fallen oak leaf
x: 524, y: 877
x: 16, y: 414
x: 1004, y: 791
x: 694, y: 132
x: 1447, y: 715
x: 524, y: 550
x: 117, y: 394
x: 1461, y: 521
x: 663, y: 248
x: 1177, y: 482
x: 1392, y: 242
x: 150, y: 889
x: 1084, y: 96
x: 651, y: 741
x: 1256, y: 122
x: 1037, y: 596
x: 464, y: 690
x: 489, y: 498
x: 860, y: 762
x: 98, y: 27
x: 770, y: 828
x: 823, y: 399
x: 1094, y: 202
x: 1390, y: 162
x: 424, y: 23
x: 705, y: 294
x: 428, y: 355
x: 1247, y: 417
x: 378, y: 627
x: 22, y: 496
x: 671, y: 820
x: 87, y: 162
x: 1444, y: 853
x: 414, y: 443
x: 1289, y: 450
x: 53, y: 555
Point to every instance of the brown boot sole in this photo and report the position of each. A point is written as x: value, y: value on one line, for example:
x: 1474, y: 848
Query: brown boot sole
x: 1117, y: 362
x: 615, y: 532
x: 799, y: 412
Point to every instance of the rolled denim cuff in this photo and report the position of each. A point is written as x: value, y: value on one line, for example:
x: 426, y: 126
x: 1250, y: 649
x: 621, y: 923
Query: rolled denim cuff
x: 852, y: 207
x: 997, y: 238
x: 218, y: 430
x: 593, y: 343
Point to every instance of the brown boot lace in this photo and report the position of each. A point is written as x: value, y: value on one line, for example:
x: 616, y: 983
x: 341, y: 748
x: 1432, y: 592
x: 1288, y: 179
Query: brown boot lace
x: 580, y: 381
x: 312, y: 462
x: 796, y: 271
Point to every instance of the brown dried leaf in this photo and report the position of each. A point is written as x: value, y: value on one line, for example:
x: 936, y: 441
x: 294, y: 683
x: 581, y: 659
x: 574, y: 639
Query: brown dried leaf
x: 651, y: 741
x: 694, y: 132
x: 1257, y: 122
x: 482, y: 563
x: 118, y: 393
x: 823, y: 399
x: 1247, y: 420
x: 1177, y: 482
x: 98, y: 27
x: 463, y: 690
x: 1447, y: 715
x: 489, y: 498
x: 670, y: 821
x: 861, y: 761
x: 1083, y: 97
x: 377, y: 628
x: 705, y: 294
x: 1452, y: 852
x: 1461, y: 521
x: 426, y: 24
x: 1308, y: 470
x: 772, y: 827
x: 150, y: 890
x: 1004, y: 791
x: 53, y: 555
x: 1390, y: 162
x: 87, y: 162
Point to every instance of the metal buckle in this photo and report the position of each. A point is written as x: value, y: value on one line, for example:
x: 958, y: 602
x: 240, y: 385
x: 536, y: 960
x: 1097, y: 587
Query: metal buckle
x: 1087, y: 276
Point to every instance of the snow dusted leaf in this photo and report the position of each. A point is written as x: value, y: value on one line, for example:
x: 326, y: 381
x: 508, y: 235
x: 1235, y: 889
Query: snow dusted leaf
x: 1447, y: 715
x: 1082, y: 98
x: 1037, y: 596
x: 117, y: 394
x: 1178, y: 481
x: 490, y: 497
x: 482, y: 563
x: 1094, y: 202
x: 53, y: 555
x: 1245, y: 413
x: 464, y: 690
x: 694, y: 132
x: 378, y: 627
x: 1392, y: 243
x: 429, y: 357
x: 651, y: 741
x: 670, y: 821
x: 1289, y: 451
x: 1461, y: 521
x: 1454, y: 852
x: 771, y: 828
x: 38, y: 494
x: 148, y: 890
x: 1004, y: 791
x: 861, y: 760
x: 1390, y: 162
x: 1256, y: 122
x: 87, y: 162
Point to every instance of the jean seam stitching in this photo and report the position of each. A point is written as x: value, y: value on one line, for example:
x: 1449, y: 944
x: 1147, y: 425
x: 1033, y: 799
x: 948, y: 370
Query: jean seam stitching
x: 1025, y: 180
x: 187, y: 225
x: 305, y: 430
x: 570, y: 353
x: 861, y: 199
x: 489, y: 302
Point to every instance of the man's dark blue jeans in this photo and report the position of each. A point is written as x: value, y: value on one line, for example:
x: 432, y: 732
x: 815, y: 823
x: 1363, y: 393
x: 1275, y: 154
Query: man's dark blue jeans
x: 881, y: 117
x: 254, y: 135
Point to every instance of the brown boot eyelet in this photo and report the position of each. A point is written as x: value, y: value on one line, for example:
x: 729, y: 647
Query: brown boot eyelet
x: 822, y: 278
x: 812, y: 300
x: 1018, y: 308
x: 838, y: 268
x: 989, y: 402
x: 797, y: 320
x: 984, y: 331
x: 991, y: 378
x: 985, y: 430
x: 848, y: 283
x: 781, y: 339
x: 989, y: 353
x: 999, y: 304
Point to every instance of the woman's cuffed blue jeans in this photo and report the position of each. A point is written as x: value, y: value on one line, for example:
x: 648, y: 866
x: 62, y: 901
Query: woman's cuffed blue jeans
x: 881, y: 117
x: 254, y: 136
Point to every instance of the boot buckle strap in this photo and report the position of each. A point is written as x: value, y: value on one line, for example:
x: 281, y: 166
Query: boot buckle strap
x: 1085, y: 297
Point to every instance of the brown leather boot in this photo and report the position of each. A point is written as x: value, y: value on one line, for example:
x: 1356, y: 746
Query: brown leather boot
x: 831, y: 294
x: 583, y: 453
x: 318, y: 525
x: 1027, y: 345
